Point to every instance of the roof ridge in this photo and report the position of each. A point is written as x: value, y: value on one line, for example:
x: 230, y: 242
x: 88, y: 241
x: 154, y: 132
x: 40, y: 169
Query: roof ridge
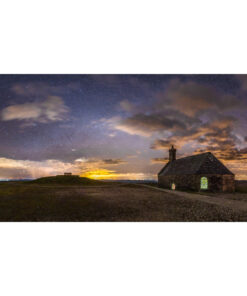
x: 223, y: 165
x: 203, y: 159
x: 199, y: 154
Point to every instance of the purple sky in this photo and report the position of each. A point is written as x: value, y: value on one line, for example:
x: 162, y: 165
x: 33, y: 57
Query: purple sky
x: 118, y: 126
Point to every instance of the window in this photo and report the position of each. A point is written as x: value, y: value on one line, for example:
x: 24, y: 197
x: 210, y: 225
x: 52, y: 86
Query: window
x: 204, y: 183
x: 173, y: 186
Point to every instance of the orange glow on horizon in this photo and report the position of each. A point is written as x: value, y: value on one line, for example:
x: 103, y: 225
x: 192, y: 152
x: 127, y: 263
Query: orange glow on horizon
x: 103, y: 174
x: 100, y: 174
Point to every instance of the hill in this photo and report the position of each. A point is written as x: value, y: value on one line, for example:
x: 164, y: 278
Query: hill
x: 67, y: 180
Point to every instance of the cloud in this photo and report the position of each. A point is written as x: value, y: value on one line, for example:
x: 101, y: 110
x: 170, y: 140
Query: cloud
x: 113, y: 161
x: 181, y: 105
x: 159, y: 160
x: 32, y: 89
x: 13, y: 169
x: 190, y: 97
x: 41, y: 89
x: 145, y: 125
x: 243, y: 81
x: 49, y: 110
x: 161, y: 144
x: 14, y: 173
x: 210, y: 135
x: 100, y: 162
x: 219, y: 137
x: 127, y: 106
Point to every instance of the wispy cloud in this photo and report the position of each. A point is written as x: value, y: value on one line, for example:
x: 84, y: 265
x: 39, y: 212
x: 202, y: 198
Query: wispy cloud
x: 159, y: 160
x: 127, y: 106
x: 50, y: 109
x: 113, y: 161
x: 13, y: 169
x: 41, y: 89
x: 100, y: 162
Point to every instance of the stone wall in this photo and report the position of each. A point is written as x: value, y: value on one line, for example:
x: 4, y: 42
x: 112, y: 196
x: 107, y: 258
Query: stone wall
x: 216, y: 183
x: 228, y: 183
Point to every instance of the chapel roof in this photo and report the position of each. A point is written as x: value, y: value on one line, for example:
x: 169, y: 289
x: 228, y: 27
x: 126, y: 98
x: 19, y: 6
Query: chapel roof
x: 199, y: 164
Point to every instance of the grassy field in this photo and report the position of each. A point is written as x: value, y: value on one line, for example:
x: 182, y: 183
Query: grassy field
x: 69, y: 180
x: 103, y: 201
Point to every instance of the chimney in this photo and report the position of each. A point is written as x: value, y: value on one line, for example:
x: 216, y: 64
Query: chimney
x: 172, y: 154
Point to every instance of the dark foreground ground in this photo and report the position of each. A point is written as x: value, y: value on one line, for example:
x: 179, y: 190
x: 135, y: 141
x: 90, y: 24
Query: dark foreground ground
x: 114, y: 202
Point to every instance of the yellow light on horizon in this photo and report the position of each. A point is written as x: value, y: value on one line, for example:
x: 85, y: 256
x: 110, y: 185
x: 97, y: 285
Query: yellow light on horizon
x: 104, y: 174
x: 100, y: 174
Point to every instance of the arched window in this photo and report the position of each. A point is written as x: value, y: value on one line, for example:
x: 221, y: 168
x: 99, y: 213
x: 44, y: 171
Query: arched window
x: 204, y: 183
x: 173, y: 186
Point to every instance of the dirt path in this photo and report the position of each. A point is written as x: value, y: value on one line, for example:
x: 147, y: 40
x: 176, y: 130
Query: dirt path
x: 224, y: 202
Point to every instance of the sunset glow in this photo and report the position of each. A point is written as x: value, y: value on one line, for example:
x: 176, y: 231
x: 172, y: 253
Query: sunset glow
x: 100, y: 175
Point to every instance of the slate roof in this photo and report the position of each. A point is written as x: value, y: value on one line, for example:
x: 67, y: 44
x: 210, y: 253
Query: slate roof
x: 204, y: 163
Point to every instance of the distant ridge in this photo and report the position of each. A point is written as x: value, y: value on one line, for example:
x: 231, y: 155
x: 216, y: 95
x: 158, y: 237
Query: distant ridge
x: 66, y: 180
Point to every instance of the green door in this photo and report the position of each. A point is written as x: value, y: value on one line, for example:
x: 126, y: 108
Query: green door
x: 204, y: 183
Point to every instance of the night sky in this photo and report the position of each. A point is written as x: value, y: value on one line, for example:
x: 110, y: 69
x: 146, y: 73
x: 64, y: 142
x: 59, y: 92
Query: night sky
x: 119, y: 126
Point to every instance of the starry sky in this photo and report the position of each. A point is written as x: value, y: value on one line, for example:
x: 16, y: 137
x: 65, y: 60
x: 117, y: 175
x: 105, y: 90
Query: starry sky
x: 119, y: 126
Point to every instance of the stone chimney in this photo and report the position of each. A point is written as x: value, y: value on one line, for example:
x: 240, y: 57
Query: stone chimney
x: 172, y: 154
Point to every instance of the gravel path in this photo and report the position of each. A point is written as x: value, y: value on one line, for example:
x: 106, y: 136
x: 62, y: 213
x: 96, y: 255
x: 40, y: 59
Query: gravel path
x: 221, y: 201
